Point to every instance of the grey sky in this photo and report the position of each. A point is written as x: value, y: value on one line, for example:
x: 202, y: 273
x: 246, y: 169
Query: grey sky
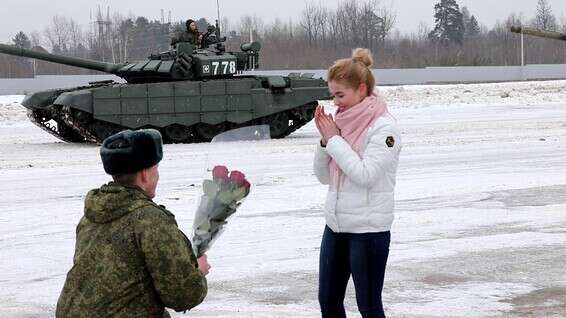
x: 35, y: 15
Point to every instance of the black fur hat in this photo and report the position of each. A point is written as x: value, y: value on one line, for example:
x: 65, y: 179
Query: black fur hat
x: 131, y: 151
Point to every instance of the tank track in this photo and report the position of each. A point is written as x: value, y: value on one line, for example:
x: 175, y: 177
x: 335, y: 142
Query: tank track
x: 71, y: 125
x: 59, y: 130
x: 281, y: 124
x: 63, y: 128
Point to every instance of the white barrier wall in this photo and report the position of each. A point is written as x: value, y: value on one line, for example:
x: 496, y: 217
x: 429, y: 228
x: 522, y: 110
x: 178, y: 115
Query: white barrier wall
x: 458, y: 74
x: 428, y: 75
x: 19, y: 86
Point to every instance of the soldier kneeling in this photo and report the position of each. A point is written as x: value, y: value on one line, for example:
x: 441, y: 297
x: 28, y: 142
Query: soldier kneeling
x: 131, y: 259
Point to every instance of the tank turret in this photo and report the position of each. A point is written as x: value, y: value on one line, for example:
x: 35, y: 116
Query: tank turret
x: 184, y: 61
x: 539, y: 32
x: 190, y: 93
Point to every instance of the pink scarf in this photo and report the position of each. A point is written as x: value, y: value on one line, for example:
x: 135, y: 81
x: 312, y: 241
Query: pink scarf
x: 354, y: 123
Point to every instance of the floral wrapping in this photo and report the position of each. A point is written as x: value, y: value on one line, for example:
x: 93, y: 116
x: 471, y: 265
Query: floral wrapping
x: 221, y: 198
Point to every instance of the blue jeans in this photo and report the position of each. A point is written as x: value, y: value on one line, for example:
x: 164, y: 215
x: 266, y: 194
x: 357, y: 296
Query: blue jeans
x: 362, y: 255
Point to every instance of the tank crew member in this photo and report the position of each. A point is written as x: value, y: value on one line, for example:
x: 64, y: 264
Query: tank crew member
x: 191, y: 35
x: 131, y: 259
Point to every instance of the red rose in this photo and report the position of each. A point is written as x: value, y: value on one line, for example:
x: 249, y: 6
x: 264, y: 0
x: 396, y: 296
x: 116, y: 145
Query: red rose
x: 237, y: 178
x: 220, y: 172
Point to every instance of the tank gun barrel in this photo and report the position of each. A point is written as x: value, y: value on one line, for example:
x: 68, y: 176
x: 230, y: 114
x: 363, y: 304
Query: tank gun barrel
x: 539, y: 32
x: 73, y: 61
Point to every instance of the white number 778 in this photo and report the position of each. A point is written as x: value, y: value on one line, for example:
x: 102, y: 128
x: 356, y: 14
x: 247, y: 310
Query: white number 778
x: 225, y: 65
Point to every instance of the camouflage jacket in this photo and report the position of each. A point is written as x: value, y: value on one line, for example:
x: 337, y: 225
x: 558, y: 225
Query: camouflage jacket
x: 186, y: 36
x: 131, y: 260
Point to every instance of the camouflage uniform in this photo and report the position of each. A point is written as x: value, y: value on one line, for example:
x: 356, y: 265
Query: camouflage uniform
x: 131, y: 260
x: 186, y: 36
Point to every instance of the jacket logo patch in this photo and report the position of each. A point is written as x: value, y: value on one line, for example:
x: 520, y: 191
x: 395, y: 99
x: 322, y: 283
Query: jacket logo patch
x: 390, y: 141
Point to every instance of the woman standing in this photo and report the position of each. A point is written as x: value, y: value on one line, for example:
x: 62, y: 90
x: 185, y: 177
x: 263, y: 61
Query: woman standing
x: 357, y: 157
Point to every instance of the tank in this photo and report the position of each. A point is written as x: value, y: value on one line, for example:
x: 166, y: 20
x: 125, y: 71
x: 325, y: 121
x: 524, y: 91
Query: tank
x: 539, y: 33
x: 190, y: 93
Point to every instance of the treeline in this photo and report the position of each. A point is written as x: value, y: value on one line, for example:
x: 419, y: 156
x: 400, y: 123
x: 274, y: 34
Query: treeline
x: 319, y: 36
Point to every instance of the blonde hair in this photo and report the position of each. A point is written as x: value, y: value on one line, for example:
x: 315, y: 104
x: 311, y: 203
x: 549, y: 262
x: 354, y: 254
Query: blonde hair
x: 355, y: 70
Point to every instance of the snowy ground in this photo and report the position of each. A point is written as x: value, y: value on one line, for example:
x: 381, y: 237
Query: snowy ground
x: 480, y: 226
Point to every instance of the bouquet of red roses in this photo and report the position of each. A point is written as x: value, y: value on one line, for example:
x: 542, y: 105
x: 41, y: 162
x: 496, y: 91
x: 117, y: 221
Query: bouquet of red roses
x: 221, y: 197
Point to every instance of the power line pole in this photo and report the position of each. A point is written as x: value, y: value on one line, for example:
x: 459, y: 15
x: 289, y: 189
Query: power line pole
x: 522, y: 55
x: 109, y: 34
x: 103, y: 32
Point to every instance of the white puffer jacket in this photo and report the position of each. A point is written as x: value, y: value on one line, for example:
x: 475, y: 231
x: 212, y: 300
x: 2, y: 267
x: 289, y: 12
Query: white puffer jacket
x: 365, y: 200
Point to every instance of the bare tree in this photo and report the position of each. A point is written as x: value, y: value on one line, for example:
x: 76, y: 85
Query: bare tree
x: 35, y: 38
x: 320, y: 24
x: 387, y: 18
x: 562, y: 24
x: 225, y: 25
x: 307, y: 21
x: 58, y: 33
x: 118, y: 35
x: 76, y: 36
x: 368, y: 23
x: 333, y: 28
x: 544, y: 19
x: 422, y: 31
x: 352, y: 21
x: 251, y: 25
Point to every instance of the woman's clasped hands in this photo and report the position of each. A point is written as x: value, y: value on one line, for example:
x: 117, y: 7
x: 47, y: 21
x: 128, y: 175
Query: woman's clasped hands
x: 325, y: 124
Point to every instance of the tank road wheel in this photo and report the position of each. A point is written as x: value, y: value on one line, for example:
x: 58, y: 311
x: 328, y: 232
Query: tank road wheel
x: 278, y: 125
x: 68, y: 133
x: 81, y: 118
x: 177, y: 133
x: 302, y: 115
x: 308, y: 112
x: 207, y: 131
x: 102, y: 130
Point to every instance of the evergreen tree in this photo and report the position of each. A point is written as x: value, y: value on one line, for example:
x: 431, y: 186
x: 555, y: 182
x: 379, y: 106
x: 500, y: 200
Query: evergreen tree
x: 22, y: 40
x: 545, y: 19
x: 473, y: 28
x: 471, y: 25
x: 449, y: 24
